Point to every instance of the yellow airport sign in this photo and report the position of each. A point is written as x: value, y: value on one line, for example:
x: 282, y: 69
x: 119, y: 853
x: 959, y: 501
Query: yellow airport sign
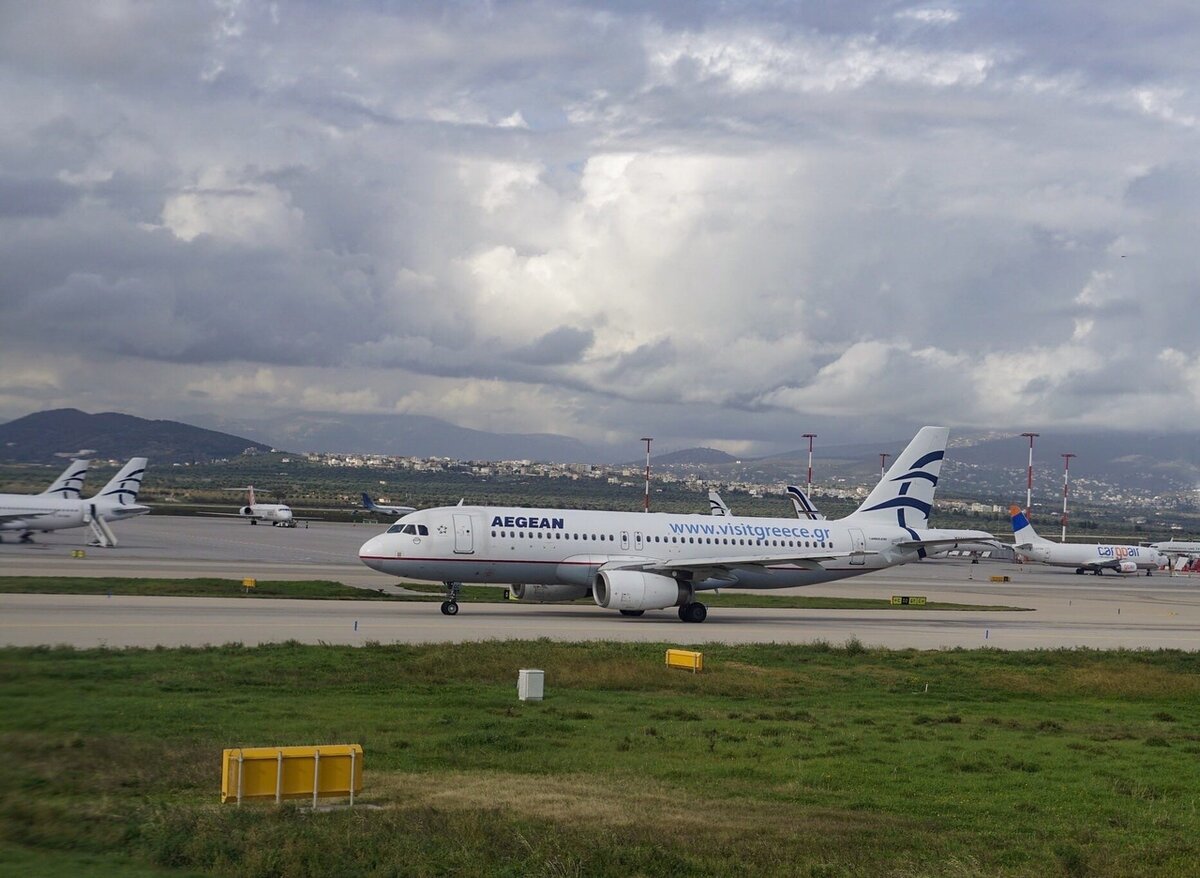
x: 276, y: 773
x: 685, y: 659
x: 904, y: 600
x: 249, y: 583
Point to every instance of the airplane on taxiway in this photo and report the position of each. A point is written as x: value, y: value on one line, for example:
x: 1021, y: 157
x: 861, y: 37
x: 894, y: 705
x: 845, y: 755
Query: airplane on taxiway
x: 1177, y: 548
x: 1084, y: 557
x: 61, y: 506
x: 278, y: 514
x: 633, y: 562
x: 385, y: 509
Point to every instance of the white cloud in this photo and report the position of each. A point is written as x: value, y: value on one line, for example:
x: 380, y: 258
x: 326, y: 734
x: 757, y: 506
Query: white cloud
x: 255, y: 214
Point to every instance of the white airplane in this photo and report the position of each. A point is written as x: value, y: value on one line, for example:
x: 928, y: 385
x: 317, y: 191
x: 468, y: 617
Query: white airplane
x: 69, y: 486
x: 30, y: 513
x: 634, y: 562
x: 1177, y: 548
x: 279, y: 514
x: 1083, y: 557
x: 370, y: 504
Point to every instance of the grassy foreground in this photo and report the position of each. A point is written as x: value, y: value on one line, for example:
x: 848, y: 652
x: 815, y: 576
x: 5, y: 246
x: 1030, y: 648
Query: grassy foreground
x: 327, y: 590
x: 782, y: 760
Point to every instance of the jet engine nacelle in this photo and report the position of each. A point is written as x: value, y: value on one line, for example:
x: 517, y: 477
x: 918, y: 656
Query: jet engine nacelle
x: 634, y: 590
x: 245, y: 510
x: 1127, y: 567
x: 547, y: 594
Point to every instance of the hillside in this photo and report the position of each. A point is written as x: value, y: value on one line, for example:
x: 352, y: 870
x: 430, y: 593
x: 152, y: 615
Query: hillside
x: 46, y: 437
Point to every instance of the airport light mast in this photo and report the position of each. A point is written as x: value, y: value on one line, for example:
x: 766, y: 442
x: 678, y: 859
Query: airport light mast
x: 810, y: 437
x: 1066, y: 467
x: 647, y: 440
x: 1029, y: 480
x: 883, y: 456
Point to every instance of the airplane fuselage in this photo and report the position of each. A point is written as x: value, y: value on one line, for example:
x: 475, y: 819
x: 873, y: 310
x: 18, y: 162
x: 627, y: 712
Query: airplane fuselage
x: 47, y: 513
x: 275, y: 513
x: 1091, y: 557
x: 569, y: 547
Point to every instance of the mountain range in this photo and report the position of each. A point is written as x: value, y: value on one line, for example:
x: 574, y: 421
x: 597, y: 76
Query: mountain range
x: 49, y: 436
x: 986, y: 464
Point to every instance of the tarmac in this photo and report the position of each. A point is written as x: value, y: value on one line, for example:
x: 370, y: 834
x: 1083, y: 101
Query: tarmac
x: 1059, y: 609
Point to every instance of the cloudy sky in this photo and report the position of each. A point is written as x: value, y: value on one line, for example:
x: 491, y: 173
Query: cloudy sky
x: 716, y: 223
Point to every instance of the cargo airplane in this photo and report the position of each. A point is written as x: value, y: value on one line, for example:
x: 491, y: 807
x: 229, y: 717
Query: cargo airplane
x: 633, y: 562
x: 62, y: 507
x: 1084, y: 557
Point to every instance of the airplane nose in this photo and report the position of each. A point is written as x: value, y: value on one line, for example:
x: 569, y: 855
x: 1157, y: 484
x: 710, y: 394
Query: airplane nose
x: 370, y: 551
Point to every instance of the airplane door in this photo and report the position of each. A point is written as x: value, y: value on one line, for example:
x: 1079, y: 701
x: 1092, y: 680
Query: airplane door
x: 637, y: 540
x: 624, y: 539
x: 857, y: 544
x: 464, y: 542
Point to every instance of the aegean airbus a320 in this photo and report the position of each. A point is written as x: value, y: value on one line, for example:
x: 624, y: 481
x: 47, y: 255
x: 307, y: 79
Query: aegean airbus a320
x: 633, y: 562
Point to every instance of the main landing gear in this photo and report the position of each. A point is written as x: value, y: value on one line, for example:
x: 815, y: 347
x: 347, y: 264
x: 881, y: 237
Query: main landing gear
x: 693, y: 611
x: 450, y: 604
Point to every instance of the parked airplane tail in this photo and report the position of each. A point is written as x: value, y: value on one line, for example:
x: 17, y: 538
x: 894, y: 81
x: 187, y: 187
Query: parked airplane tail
x: 717, y: 506
x: 69, y: 486
x: 805, y: 508
x: 1023, y: 532
x: 904, y: 496
x: 122, y: 489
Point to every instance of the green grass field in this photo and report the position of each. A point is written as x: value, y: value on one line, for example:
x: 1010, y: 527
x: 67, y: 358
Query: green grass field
x: 816, y: 760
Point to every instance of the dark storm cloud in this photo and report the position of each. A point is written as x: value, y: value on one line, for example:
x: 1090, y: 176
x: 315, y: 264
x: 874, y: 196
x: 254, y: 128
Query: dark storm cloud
x: 716, y: 218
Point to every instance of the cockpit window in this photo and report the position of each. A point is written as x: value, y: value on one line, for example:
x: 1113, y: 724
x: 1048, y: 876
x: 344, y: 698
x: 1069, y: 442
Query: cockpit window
x: 395, y: 528
x: 422, y: 530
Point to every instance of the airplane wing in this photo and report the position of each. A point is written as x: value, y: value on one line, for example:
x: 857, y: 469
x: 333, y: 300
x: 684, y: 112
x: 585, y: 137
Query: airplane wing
x: 722, y: 568
x: 21, y: 516
x: 948, y: 543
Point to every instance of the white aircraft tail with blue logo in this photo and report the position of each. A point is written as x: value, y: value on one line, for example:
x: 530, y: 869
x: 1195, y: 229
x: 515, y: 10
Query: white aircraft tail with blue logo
x: 904, y: 496
x: 69, y: 486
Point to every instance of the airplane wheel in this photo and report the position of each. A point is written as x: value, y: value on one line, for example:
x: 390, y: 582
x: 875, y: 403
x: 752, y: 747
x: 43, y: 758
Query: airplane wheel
x: 253, y: 521
x: 632, y: 612
x: 1079, y: 571
x: 449, y: 608
x: 693, y: 612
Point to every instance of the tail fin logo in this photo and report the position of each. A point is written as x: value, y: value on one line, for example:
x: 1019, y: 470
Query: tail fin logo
x: 902, y: 501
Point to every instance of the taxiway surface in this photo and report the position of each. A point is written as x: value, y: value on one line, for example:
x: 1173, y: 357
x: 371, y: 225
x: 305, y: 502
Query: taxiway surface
x: 1065, y: 610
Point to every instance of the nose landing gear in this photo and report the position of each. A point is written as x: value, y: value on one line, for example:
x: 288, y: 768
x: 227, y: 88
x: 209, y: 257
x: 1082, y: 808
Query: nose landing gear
x: 450, y: 604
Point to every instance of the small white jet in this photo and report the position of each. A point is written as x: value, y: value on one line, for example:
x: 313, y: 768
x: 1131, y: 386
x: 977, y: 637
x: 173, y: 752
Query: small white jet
x: 633, y: 562
x: 371, y: 505
x: 31, y: 513
x: 1177, y: 548
x: 279, y: 514
x: 1084, y: 557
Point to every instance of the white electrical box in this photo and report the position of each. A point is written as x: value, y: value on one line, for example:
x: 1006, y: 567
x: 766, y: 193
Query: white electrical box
x: 530, y: 684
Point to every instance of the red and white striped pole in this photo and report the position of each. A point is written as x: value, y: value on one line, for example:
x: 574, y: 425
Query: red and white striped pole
x: 1029, y: 482
x: 1066, y: 466
x: 810, y: 437
x: 647, y: 440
